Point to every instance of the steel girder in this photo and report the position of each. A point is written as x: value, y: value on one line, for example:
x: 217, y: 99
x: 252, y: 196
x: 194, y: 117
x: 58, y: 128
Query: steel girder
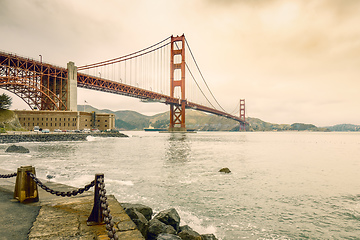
x: 41, y: 86
x: 99, y: 84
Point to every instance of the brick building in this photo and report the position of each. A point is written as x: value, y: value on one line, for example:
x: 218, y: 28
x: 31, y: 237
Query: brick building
x: 65, y: 120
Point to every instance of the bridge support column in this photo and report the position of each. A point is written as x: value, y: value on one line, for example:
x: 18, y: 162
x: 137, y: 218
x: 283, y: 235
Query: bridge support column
x: 177, y: 81
x: 71, y: 103
x: 242, y: 115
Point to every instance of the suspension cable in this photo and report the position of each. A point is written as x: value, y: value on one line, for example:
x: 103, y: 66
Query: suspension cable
x: 115, y: 60
x: 236, y: 110
x: 199, y: 86
x: 196, y: 81
x: 203, y: 76
x: 128, y: 58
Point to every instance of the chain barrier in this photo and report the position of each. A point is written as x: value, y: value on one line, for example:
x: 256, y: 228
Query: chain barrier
x: 58, y: 193
x: 106, y: 210
x: 8, y: 175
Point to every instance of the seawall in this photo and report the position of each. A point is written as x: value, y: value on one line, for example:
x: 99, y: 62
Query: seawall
x: 56, y: 217
x: 16, y: 137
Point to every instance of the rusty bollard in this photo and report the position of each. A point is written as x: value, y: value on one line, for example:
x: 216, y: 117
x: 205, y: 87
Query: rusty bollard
x: 96, y: 216
x: 26, y: 190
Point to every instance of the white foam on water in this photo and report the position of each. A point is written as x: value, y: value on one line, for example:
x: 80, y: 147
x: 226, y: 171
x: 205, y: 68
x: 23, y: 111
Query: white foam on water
x: 91, y: 138
x: 15, y: 156
x: 81, y: 181
x: 120, y: 182
x: 188, y: 218
x: 186, y: 181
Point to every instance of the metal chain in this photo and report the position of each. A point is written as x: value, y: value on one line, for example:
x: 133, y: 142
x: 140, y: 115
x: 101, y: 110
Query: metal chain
x: 58, y: 193
x: 106, y: 211
x: 8, y: 175
x: 103, y: 199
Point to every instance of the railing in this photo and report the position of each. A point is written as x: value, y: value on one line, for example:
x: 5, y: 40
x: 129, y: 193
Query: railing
x: 26, y: 191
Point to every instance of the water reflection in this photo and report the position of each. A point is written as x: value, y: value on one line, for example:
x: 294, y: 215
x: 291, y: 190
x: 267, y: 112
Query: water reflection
x: 178, y: 149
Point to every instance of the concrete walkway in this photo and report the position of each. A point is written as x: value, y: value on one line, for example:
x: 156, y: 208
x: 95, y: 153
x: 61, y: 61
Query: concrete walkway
x: 15, y: 219
x: 56, y: 217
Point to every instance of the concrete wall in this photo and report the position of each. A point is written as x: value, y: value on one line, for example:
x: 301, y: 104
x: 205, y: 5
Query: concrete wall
x: 105, y: 121
x: 72, y: 87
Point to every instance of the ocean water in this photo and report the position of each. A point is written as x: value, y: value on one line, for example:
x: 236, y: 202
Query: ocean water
x: 283, y: 185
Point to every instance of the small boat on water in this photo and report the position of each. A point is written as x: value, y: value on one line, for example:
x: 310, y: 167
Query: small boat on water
x: 152, y: 129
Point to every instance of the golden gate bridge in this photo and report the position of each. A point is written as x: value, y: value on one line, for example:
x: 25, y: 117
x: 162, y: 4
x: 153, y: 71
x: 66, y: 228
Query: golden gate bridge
x: 146, y: 74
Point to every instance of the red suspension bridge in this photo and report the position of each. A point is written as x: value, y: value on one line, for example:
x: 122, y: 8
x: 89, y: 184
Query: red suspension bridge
x: 144, y: 74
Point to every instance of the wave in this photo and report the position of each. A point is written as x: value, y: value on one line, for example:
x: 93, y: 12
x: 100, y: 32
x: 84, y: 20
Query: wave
x: 90, y: 138
x: 120, y: 182
x: 196, y: 223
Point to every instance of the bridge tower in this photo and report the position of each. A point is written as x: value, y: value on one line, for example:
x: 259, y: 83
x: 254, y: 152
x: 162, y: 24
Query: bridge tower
x: 242, y: 115
x: 177, y: 81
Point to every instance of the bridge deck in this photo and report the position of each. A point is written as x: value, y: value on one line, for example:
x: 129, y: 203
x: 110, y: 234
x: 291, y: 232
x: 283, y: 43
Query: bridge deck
x: 99, y: 84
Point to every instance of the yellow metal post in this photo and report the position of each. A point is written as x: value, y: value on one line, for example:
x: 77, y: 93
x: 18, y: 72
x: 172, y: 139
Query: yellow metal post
x: 25, y: 188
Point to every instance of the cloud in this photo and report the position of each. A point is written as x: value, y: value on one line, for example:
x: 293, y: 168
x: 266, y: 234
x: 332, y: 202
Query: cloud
x: 288, y: 58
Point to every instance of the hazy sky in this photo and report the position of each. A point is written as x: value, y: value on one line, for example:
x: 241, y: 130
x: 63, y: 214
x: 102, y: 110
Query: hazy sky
x: 292, y: 60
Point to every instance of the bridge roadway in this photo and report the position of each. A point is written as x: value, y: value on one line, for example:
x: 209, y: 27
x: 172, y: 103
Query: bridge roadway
x: 99, y: 84
x: 22, y: 75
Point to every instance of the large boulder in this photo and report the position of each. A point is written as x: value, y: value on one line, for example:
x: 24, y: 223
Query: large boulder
x: 208, y: 237
x: 156, y: 228
x: 169, y: 217
x: 225, y: 170
x: 185, y: 227
x: 17, y: 149
x: 140, y: 221
x: 167, y: 236
x: 144, y: 210
x: 188, y: 234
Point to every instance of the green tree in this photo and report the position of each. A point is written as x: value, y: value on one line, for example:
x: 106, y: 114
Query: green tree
x: 5, y: 101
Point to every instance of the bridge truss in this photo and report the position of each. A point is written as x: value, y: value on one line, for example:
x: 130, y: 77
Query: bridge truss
x: 41, y: 86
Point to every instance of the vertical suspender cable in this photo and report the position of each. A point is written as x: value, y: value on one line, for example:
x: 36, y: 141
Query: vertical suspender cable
x: 158, y: 71
x: 130, y: 70
x: 153, y: 71
x: 119, y: 66
x: 203, y: 76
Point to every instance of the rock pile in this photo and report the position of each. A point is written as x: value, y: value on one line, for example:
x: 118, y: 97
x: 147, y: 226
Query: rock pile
x: 46, y: 137
x: 163, y: 226
x: 17, y: 149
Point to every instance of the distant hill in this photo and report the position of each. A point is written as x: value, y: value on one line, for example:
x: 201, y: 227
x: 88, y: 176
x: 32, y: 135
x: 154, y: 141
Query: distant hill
x: 130, y: 120
x: 345, y: 128
x: 259, y: 125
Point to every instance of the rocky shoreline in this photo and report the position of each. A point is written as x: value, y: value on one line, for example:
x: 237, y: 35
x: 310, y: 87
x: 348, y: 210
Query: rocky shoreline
x: 163, y: 226
x: 46, y: 137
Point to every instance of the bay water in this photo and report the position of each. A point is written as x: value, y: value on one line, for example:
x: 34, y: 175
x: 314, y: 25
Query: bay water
x: 282, y: 185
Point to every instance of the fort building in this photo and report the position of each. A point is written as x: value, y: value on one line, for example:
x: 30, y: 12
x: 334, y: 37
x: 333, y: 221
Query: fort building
x: 65, y: 120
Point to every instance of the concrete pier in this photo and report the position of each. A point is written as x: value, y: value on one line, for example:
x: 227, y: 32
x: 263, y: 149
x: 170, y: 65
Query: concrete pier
x: 55, y: 217
x: 72, y: 87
